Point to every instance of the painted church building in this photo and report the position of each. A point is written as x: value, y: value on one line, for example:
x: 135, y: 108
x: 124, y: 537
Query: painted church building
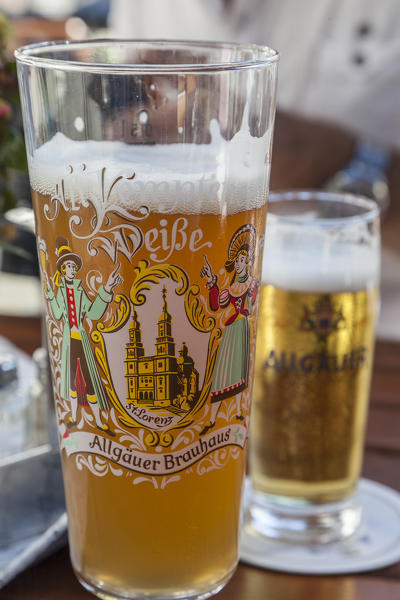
x: 161, y: 380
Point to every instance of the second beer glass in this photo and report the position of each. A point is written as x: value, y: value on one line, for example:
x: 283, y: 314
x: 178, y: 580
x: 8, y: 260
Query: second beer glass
x: 316, y: 325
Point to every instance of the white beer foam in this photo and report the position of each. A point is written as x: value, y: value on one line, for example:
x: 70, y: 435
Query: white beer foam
x: 321, y: 260
x: 220, y: 178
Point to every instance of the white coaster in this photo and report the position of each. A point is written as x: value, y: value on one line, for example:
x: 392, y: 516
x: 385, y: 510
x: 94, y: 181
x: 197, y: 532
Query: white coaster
x: 376, y: 543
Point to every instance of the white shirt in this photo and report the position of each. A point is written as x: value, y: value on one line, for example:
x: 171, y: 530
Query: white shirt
x: 168, y: 19
x: 340, y: 59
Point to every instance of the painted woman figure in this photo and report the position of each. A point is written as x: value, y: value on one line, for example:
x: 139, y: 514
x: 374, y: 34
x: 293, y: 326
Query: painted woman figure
x: 231, y: 373
x: 80, y: 380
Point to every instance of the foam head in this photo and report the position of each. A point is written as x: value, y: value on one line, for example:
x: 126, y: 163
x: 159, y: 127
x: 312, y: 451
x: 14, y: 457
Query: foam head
x: 221, y: 177
x: 312, y: 258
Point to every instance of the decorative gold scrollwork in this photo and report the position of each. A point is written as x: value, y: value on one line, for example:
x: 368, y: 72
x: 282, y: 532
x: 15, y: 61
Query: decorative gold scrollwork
x: 145, y: 276
x: 119, y: 318
x: 195, y: 310
x: 101, y: 356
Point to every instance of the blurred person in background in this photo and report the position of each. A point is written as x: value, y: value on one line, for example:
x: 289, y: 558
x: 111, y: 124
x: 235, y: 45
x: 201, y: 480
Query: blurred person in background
x: 338, y: 118
x: 339, y: 73
x: 339, y: 81
x: 169, y: 19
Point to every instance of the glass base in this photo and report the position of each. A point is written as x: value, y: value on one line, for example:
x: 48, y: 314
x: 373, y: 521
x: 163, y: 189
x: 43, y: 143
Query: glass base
x: 302, y: 524
x: 375, y: 544
x: 101, y: 591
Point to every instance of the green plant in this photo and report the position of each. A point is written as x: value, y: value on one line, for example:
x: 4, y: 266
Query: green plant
x: 12, y: 147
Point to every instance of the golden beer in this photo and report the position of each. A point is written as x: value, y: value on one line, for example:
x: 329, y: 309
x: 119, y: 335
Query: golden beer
x: 127, y: 530
x: 312, y: 376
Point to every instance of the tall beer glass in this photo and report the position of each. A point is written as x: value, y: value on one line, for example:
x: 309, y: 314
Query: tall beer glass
x: 318, y: 307
x: 149, y: 167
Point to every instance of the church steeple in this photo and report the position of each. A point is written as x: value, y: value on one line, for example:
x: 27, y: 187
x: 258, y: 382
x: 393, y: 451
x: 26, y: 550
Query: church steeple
x: 165, y: 342
x: 135, y: 346
x: 165, y: 316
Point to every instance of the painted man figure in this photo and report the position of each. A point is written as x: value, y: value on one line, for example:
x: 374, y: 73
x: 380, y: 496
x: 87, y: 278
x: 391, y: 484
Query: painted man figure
x: 80, y: 380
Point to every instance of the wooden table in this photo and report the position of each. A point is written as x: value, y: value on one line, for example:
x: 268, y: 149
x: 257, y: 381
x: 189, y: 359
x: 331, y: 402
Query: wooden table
x: 53, y: 579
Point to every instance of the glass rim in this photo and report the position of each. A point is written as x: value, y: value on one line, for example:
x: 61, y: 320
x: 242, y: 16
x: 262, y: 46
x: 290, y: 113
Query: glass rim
x: 31, y: 55
x: 372, y: 210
